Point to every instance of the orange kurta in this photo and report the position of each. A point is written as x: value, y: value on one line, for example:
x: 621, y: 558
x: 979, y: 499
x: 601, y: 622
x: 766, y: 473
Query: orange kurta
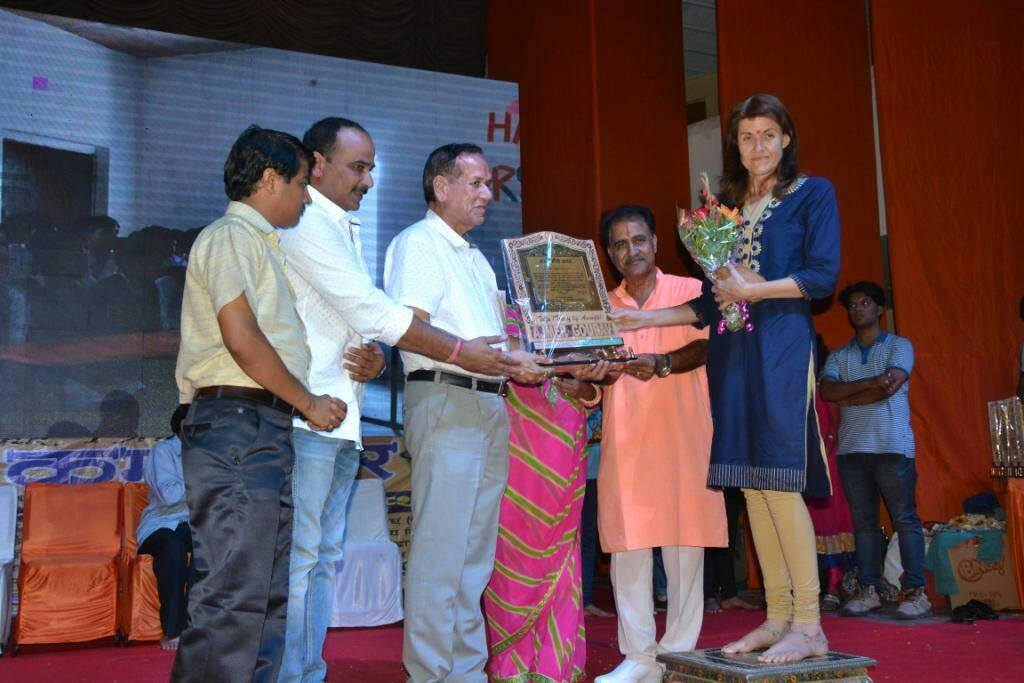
x: 656, y: 443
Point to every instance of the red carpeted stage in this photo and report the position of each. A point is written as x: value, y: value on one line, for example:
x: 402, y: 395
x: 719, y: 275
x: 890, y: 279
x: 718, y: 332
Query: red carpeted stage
x: 985, y: 651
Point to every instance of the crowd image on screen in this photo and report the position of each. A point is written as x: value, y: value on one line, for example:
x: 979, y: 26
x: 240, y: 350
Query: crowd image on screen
x: 85, y: 279
x: 80, y: 303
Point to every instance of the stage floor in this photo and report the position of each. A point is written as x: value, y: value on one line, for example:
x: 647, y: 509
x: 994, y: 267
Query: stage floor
x: 906, y: 653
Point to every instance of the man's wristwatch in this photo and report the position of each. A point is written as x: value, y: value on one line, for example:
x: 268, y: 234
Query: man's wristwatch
x: 663, y: 365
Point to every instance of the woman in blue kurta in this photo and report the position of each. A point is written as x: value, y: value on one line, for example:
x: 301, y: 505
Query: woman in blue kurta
x: 761, y: 382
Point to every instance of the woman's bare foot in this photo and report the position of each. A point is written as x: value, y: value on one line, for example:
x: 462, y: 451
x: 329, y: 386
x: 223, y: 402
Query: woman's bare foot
x: 168, y: 643
x: 736, y: 602
x: 767, y: 634
x: 711, y: 606
x: 595, y: 611
x: 801, y: 642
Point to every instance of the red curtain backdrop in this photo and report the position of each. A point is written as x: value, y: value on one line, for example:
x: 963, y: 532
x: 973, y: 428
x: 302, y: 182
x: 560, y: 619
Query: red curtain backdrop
x: 949, y: 105
x: 603, y: 110
x: 814, y: 56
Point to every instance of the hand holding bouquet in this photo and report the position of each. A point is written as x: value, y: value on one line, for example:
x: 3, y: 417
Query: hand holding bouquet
x: 710, y: 234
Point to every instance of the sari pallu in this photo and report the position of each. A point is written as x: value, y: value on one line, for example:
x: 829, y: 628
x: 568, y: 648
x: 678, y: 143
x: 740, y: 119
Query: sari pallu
x: 533, y: 604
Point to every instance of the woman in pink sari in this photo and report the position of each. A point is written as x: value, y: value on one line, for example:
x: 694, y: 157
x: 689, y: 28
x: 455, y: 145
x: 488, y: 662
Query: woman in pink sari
x: 533, y: 603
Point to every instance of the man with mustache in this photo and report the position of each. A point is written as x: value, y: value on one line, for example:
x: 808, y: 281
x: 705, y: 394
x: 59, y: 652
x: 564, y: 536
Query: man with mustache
x: 341, y: 309
x: 655, y: 450
x: 456, y: 424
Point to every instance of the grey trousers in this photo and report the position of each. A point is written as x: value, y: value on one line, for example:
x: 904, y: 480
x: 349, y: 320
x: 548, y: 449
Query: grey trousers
x: 237, y: 460
x: 458, y: 440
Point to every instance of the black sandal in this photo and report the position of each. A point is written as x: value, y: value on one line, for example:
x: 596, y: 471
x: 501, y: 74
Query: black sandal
x: 982, y: 611
x: 964, y: 614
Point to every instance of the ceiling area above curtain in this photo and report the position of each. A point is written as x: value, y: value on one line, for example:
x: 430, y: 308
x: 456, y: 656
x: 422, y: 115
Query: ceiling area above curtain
x: 449, y: 36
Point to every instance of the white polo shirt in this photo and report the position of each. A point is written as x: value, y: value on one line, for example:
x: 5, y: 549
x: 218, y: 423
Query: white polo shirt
x: 431, y: 267
x: 337, y: 301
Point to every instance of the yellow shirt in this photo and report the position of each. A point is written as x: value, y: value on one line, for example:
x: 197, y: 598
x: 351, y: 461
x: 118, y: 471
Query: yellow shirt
x: 236, y: 254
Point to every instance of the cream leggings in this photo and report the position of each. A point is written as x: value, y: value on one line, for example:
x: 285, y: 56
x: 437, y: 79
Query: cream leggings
x: 784, y: 538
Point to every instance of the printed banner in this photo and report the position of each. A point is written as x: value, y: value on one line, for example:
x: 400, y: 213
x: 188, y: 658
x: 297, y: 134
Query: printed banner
x: 386, y: 458
x: 73, y: 462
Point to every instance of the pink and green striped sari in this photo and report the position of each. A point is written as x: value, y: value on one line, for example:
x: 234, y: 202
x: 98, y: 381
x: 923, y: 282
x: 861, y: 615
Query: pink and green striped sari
x: 533, y: 604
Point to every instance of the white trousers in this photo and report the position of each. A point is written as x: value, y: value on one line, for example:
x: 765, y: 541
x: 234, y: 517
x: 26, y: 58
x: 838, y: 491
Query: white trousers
x: 632, y: 582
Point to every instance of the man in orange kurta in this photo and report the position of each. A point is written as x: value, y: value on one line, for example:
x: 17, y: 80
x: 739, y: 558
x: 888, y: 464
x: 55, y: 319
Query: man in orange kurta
x: 655, y: 449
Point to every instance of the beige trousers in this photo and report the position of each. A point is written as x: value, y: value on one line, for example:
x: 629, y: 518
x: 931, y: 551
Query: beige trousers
x: 784, y: 538
x: 632, y: 583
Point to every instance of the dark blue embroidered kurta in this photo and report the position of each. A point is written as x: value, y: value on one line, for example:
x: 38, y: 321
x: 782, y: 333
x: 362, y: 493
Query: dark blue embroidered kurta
x: 762, y: 382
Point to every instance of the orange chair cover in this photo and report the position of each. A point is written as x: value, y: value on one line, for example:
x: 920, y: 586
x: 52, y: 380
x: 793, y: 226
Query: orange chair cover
x: 138, y: 608
x: 67, y: 599
x: 71, y: 548
x: 141, y: 609
x: 136, y: 497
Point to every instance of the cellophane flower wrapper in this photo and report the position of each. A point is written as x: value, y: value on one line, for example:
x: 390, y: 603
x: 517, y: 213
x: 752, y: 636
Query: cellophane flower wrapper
x: 710, y: 235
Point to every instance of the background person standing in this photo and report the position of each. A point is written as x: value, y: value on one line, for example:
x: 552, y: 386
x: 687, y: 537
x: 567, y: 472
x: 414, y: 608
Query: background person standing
x: 869, y: 379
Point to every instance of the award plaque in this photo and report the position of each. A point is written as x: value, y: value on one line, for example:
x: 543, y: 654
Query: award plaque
x: 1006, y: 425
x: 556, y: 282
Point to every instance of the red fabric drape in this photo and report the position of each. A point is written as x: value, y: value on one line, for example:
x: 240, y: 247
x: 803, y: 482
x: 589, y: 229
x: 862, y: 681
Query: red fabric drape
x: 814, y: 56
x: 603, y: 107
x: 949, y: 109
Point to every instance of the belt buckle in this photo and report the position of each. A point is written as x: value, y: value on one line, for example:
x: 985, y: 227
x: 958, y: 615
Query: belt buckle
x: 502, y: 388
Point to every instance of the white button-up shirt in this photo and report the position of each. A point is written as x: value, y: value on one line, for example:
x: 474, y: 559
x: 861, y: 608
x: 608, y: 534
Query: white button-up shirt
x: 431, y: 267
x: 337, y: 302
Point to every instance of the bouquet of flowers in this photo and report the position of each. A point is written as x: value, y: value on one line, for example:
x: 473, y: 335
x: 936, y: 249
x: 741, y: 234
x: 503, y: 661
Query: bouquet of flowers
x: 710, y: 234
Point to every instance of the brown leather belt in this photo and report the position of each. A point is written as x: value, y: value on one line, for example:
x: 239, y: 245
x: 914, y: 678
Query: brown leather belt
x: 251, y: 393
x: 499, y: 388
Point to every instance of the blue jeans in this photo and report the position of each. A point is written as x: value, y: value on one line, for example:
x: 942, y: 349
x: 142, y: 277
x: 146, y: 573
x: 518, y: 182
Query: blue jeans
x: 866, y: 476
x: 321, y: 485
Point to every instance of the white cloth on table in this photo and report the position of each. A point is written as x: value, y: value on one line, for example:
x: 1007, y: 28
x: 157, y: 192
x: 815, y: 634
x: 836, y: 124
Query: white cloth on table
x: 368, y: 580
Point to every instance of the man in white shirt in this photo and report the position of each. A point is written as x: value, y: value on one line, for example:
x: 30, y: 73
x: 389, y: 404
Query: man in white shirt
x: 456, y: 427
x: 340, y: 308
